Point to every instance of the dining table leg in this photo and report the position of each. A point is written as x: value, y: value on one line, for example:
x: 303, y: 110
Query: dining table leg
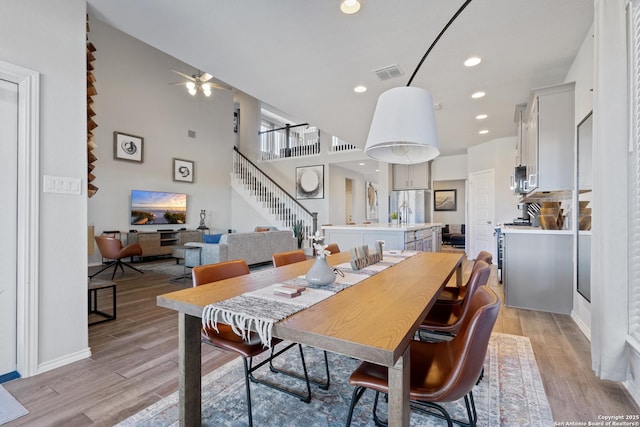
x: 189, y: 370
x: 399, y: 381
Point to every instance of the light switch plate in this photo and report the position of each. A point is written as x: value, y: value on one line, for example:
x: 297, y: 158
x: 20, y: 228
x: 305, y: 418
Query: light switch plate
x: 62, y: 185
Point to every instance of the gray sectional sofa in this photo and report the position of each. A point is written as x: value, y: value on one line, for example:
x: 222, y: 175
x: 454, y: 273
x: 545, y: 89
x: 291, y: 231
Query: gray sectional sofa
x: 253, y: 247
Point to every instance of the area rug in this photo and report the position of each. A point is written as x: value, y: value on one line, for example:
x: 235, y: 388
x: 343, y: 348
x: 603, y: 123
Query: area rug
x: 168, y: 267
x: 10, y: 408
x: 511, y: 394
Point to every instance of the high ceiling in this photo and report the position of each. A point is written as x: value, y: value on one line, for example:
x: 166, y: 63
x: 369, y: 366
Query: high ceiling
x: 305, y: 57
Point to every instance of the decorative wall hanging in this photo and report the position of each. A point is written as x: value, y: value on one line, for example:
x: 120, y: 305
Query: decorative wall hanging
x: 445, y: 200
x: 183, y: 170
x: 128, y: 147
x: 372, y: 206
x: 91, y: 124
x: 310, y: 182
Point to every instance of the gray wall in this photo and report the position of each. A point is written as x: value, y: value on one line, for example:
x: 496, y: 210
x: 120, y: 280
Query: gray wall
x: 135, y: 96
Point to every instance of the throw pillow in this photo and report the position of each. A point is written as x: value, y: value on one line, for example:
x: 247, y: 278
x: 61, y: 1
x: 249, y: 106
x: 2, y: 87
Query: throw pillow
x: 262, y: 229
x: 212, y: 238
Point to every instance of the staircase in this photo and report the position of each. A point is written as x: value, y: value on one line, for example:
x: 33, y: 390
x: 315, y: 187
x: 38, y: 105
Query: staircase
x: 268, y: 198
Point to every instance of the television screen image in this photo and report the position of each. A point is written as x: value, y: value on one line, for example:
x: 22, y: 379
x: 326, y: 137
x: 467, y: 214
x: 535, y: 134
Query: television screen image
x: 156, y: 207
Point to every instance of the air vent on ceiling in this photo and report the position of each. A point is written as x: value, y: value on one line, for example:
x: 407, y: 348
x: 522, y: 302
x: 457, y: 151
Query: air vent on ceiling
x: 389, y: 72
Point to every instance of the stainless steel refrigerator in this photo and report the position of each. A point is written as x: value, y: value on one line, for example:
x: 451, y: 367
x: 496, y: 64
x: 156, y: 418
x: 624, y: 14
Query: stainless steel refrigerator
x: 412, y: 206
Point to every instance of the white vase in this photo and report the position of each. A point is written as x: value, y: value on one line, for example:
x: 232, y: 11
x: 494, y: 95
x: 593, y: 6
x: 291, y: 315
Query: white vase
x: 320, y: 273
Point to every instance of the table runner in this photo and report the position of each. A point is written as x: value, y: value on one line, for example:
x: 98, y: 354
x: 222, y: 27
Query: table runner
x: 259, y: 310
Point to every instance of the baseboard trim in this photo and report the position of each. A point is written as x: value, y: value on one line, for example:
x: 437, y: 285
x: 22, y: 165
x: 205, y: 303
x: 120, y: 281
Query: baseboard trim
x: 64, y: 360
x: 583, y: 328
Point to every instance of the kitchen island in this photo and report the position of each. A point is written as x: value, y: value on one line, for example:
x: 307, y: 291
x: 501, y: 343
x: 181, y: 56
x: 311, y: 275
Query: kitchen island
x: 417, y: 237
x: 537, y: 269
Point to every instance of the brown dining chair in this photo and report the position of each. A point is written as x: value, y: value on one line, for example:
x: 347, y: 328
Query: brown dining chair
x: 444, y: 321
x: 111, y: 248
x: 224, y: 338
x: 333, y: 248
x: 285, y: 258
x: 440, y: 372
x: 455, y: 295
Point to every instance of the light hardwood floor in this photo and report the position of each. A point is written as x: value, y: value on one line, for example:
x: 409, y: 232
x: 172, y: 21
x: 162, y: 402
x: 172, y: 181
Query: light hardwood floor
x: 134, y: 364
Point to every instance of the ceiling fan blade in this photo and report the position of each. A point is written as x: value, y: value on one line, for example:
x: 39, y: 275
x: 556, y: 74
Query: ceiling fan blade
x: 219, y: 86
x: 177, y: 83
x: 186, y: 76
x: 205, y: 77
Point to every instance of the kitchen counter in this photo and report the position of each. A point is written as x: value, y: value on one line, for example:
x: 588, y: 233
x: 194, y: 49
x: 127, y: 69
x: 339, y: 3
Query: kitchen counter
x: 383, y: 226
x: 537, y: 269
x: 521, y: 229
x: 421, y: 237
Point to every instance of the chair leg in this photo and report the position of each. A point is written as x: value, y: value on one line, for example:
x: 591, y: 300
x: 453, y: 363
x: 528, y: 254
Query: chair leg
x: 102, y: 269
x: 305, y: 398
x: 248, y: 390
x: 324, y: 385
x: 126, y: 264
x: 355, y: 397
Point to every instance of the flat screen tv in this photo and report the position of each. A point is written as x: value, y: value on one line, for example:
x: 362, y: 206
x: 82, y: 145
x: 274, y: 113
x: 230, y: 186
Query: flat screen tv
x: 156, y: 207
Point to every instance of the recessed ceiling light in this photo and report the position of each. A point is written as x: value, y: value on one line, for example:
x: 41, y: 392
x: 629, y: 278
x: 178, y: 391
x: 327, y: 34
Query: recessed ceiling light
x: 377, y: 170
x: 472, y: 62
x: 361, y: 164
x: 360, y: 89
x: 478, y: 95
x: 481, y: 116
x: 483, y: 132
x: 350, y: 7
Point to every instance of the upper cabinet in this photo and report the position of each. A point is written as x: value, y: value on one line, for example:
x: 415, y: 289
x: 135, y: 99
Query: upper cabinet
x: 547, y: 144
x: 406, y: 177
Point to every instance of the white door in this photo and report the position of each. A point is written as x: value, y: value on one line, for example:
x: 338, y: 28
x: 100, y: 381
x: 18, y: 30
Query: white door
x: 8, y: 216
x: 481, y: 201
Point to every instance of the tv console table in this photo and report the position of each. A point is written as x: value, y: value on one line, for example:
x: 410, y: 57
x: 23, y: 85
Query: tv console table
x: 156, y: 243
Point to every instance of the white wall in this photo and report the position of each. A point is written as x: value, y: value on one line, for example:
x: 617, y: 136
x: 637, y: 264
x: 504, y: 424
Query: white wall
x: 135, y: 97
x: 49, y: 37
x: 449, y: 168
x: 581, y: 72
x: 499, y: 155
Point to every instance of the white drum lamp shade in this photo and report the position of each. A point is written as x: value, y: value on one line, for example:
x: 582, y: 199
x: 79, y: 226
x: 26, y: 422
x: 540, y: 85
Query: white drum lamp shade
x: 403, y: 129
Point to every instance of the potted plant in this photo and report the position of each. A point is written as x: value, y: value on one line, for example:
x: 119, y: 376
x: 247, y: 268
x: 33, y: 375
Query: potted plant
x: 394, y: 217
x: 298, y: 232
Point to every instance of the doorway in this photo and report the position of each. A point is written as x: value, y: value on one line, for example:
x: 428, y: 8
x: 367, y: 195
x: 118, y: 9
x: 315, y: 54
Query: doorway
x: 481, y: 213
x: 348, y: 200
x: 20, y: 112
x: 8, y: 216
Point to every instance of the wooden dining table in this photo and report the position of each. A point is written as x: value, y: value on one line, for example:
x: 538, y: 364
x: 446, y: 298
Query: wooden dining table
x: 373, y: 321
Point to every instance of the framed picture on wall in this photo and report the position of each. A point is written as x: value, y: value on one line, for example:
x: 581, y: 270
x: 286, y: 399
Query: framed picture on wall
x: 372, y: 205
x: 310, y: 182
x: 182, y: 170
x: 127, y: 147
x: 445, y: 200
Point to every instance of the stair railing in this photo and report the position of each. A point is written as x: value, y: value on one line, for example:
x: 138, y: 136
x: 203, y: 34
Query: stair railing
x: 280, y: 203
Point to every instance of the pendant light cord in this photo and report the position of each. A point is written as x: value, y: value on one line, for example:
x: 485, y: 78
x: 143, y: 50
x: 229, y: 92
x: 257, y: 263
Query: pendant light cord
x: 453, y: 18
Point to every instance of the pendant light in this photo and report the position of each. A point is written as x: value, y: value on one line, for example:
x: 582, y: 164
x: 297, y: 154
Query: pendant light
x: 403, y: 129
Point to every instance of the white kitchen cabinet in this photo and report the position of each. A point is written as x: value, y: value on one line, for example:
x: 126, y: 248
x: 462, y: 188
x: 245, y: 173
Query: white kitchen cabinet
x: 406, y: 177
x: 548, y: 138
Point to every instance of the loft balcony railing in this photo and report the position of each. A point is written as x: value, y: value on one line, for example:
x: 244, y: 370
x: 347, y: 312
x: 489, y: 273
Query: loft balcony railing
x: 289, y: 141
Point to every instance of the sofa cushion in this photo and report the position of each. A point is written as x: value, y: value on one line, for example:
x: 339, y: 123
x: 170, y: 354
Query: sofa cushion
x: 212, y: 238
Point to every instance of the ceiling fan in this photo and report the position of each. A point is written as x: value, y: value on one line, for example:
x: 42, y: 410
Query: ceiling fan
x: 199, y: 82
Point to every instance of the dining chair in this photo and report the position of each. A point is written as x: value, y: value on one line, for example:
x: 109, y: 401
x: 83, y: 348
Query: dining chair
x: 444, y: 321
x: 333, y: 248
x: 440, y: 372
x: 224, y: 338
x: 455, y: 295
x: 111, y: 248
x: 285, y: 258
